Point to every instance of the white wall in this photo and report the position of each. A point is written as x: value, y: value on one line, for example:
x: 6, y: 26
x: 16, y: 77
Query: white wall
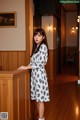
x: 71, y: 21
x: 13, y: 39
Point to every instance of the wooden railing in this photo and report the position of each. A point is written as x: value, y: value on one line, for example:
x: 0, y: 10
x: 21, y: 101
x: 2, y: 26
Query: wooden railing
x: 15, y: 94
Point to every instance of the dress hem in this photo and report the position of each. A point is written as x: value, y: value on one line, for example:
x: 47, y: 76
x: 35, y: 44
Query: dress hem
x: 40, y: 100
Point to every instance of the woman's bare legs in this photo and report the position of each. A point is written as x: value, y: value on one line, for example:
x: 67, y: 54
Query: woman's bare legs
x: 40, y: 106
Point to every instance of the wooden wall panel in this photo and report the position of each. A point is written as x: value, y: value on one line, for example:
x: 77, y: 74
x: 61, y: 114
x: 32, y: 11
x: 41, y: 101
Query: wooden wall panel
x: 10, y: 67
x: 79, y: 64
x: 0, y: 60
x: 55, y: 63
x: 11, y: 60
x: 52, y: 64
x: 22, y: 58
x: 5, y: 61
x: 63, y: 56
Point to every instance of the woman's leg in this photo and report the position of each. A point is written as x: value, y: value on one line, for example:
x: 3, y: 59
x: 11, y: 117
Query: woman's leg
x: 40, y: 106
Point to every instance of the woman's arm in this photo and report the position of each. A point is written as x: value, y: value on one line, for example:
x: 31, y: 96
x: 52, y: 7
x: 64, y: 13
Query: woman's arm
x: 25, y: 67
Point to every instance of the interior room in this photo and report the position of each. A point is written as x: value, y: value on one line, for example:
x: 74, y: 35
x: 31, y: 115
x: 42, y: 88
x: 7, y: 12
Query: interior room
x: 61, y: 21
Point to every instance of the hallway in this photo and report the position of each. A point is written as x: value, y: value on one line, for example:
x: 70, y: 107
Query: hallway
x: 65, y: 97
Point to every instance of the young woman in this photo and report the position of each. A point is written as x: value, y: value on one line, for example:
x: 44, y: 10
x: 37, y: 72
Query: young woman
x: 39, y: 83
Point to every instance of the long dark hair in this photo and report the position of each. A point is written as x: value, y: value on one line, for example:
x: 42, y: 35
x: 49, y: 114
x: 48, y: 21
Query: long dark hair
x: 42, y: 32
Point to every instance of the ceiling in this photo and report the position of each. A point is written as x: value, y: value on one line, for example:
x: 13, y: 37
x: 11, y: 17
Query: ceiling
x: 70, y: 7
x: 42, y: 7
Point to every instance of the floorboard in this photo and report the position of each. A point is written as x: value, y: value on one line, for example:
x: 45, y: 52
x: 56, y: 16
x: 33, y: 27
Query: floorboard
x: 64, y: 97
x: 64, y: 102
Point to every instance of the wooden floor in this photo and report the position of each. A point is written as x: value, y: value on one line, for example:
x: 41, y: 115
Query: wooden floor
x: 68, y: 74
x: 64, y: 97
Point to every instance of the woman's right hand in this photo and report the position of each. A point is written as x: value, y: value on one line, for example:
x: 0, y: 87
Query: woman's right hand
x: 22, y: 68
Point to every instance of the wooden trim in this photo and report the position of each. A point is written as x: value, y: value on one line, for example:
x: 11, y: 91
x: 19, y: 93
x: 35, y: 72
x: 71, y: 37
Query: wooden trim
x: 27, y: 11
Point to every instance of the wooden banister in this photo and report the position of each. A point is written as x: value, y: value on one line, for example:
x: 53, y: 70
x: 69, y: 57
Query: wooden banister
x: 15, y: 94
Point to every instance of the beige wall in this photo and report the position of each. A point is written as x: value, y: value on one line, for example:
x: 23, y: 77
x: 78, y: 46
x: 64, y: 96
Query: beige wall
x: 46, y: 21
x: 51, y: 35
x: 13, y: 38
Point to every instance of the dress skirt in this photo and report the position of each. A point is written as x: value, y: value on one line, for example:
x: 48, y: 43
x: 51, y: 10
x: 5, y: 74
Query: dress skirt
x: 39, y: 85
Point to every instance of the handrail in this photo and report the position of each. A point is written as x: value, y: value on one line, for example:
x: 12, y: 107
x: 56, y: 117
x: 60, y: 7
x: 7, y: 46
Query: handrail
x: 12, y: 73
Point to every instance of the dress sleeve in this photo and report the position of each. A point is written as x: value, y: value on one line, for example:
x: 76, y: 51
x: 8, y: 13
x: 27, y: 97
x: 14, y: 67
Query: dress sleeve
x: 41, y: 57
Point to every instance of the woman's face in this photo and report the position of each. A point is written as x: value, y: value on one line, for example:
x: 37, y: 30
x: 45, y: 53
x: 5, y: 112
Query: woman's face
x: 38, y: 38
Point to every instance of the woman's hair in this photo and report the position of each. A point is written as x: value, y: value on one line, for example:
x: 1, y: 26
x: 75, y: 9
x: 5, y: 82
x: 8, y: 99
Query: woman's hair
x: 41, y: 32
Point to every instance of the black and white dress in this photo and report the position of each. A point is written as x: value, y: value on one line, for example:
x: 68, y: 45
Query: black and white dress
x: 39, y: 83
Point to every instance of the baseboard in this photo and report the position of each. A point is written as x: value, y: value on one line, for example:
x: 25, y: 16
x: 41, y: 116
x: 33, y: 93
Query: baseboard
x: 78, y: 81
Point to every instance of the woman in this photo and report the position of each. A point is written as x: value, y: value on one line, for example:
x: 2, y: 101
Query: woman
x: 39, y: 83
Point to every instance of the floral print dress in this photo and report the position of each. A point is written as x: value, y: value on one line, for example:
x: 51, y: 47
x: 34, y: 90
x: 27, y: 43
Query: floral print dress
x: 39, y: 83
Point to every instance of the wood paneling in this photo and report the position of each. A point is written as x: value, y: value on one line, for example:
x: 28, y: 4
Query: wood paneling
x: 71, y: 54
x: 51, y: 66
x: 79, y: 64
x: 63, y: 56
x: 11, y: 60
x: 55, y: 65
x: 0, y: 60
